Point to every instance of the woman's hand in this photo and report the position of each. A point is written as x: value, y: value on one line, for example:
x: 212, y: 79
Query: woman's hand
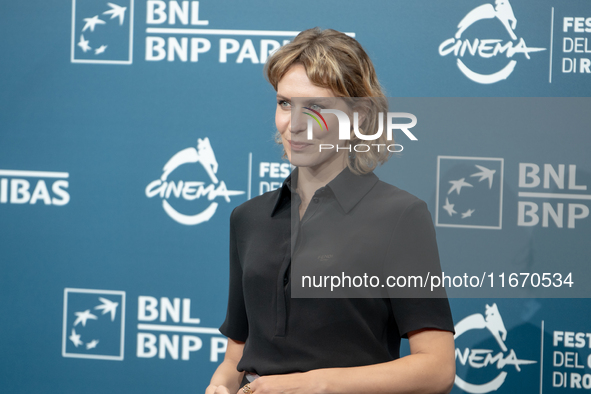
x: 226, y: 378
x: 293, y: 383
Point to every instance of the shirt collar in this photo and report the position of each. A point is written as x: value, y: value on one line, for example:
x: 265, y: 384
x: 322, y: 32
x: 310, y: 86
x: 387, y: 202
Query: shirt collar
x: 347, y: 188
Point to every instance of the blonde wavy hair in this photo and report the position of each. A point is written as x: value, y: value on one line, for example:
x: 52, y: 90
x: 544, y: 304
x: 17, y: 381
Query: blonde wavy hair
x: 337, y: 62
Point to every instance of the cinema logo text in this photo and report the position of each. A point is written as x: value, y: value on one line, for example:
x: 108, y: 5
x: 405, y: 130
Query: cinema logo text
x: 191, y: 190
x: 488, y: 48
x: 481, y: 358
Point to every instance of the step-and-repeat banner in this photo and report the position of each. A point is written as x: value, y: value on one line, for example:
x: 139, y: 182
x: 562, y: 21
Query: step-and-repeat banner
x: 130, y: 129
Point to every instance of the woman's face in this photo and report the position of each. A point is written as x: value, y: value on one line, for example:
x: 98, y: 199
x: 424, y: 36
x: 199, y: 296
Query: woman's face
x: 292, y: 122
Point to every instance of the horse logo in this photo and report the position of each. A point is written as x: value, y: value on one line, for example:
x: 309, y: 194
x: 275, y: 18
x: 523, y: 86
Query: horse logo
x: 502, y: 11
x: 493, y: 322
x: 487, y: 48
x: 203, y: 155
x: 207, y: 158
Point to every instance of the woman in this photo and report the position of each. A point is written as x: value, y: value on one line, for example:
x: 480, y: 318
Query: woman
x: 326, y: 345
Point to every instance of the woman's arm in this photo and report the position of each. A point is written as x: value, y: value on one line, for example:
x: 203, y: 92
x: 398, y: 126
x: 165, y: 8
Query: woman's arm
x: 226, y: 378
x: 430, y: 368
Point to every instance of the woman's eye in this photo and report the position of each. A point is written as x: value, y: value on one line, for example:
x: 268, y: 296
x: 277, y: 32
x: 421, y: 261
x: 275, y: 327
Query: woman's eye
x: 283, y: 103
x: 316, y: 107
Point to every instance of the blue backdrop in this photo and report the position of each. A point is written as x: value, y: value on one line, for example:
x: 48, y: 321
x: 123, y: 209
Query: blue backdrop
x: 114, y: 238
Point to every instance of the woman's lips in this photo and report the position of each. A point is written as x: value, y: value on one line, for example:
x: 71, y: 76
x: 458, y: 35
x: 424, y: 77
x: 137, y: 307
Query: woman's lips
x: 297, y: 146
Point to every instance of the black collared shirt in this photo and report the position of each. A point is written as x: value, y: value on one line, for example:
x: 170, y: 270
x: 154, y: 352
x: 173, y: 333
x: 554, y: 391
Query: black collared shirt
x: 285, y: 334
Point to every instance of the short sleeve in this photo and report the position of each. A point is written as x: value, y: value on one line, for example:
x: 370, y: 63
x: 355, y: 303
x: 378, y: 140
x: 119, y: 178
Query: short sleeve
x: 236, y: 324
x: 412, y: 253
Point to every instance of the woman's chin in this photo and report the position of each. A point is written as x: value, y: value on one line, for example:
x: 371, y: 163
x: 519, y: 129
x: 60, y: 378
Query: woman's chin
x: 300, y: 160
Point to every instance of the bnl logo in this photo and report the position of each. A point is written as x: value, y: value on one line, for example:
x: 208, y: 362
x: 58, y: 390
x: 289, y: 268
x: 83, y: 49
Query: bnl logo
x: 102, y: 32
x: 469, y: 192
x: 94, y: 324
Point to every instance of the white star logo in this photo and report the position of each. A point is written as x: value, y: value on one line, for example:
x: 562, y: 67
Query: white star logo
x: 468, y: 213
x: 108, y: 306
x: 84, y: 44
x: 83, y: 317
x: 449, y: 207
x: 75, y: 338
x: 92, y: 22
x: 457, y: 185
x: 485, y: 173
x: 100, y: 49
x: 92, y: 344
x: 116, y: 11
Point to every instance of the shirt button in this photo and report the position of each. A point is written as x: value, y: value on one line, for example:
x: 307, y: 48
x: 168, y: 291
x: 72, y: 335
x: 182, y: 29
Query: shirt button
x: 285, y: 280
x: 315, y: 199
